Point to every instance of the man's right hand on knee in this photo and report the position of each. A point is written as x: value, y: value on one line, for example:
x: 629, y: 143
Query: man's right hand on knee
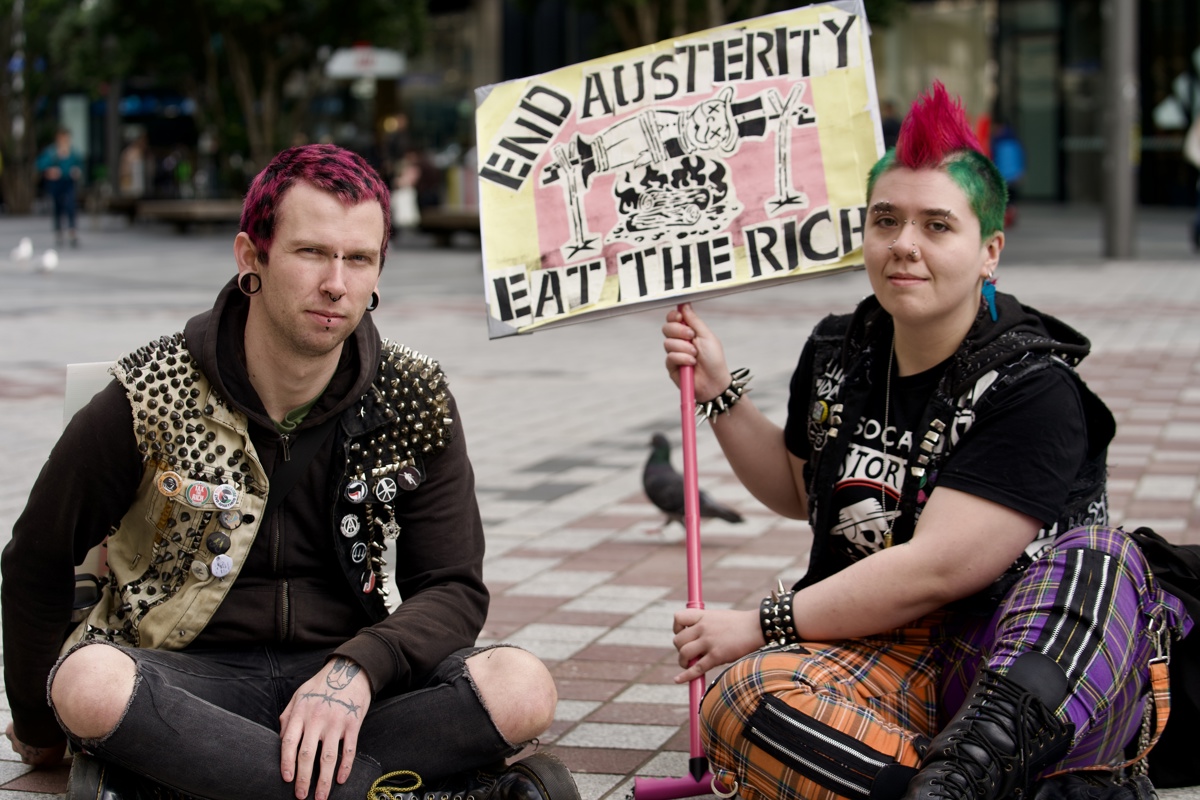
x: 36, y: 756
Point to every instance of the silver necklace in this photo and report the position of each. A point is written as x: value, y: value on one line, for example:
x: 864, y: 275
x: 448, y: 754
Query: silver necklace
x: 887, y: 406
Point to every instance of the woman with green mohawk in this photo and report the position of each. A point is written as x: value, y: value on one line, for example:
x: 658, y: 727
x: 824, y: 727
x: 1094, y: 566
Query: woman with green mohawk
x: 968, y: 623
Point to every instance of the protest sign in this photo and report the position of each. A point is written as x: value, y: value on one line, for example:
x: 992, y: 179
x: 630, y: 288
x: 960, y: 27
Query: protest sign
x: 730, y: 159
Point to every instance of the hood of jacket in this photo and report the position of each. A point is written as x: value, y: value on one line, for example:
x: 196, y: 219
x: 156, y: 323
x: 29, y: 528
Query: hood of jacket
x: 216, y: 338
x: 989, y: 343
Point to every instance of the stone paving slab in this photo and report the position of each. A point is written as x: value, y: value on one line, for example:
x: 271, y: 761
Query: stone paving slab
x: 558, y: 424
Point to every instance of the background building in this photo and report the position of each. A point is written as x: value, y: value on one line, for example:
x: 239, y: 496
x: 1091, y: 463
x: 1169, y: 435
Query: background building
x: 1034, y: 65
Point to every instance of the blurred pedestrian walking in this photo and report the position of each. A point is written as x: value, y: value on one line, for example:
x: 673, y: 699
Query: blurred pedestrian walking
x: 889, y: 121
x: 1009, y: 156
x: 61, y: 166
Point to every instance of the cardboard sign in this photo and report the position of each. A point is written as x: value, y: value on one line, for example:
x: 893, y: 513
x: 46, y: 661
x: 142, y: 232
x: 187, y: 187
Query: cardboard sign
x: 729, y: 160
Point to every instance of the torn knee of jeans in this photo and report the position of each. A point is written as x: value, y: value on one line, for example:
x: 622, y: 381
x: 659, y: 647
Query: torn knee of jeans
x: 466, y: 673
x: 91, y: 742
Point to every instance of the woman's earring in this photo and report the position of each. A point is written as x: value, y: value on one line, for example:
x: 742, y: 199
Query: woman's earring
x: 244, y: 283
x: 989, y: 295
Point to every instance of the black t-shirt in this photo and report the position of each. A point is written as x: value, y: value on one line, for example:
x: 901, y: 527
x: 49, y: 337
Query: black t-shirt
x: 1022, y: 449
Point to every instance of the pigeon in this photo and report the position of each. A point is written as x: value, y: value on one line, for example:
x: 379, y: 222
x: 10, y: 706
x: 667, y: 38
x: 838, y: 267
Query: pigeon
x: 23, y: 251
x: 664, y: 486
x: 48, y: 261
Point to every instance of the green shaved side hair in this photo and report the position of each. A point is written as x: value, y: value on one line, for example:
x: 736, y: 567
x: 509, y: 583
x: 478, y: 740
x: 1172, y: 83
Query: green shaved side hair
x: 971, y: 171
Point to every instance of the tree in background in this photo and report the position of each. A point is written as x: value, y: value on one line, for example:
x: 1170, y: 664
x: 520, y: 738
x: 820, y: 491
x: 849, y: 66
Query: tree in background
x: 27, y: 81
x: 232, y: 57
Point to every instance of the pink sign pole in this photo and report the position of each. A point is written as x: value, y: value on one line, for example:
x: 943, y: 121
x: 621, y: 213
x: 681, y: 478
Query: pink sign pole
x: 697, y: 782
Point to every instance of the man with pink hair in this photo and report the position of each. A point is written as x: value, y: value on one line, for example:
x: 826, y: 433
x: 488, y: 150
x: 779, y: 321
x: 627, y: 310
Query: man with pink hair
x: 250, y: 474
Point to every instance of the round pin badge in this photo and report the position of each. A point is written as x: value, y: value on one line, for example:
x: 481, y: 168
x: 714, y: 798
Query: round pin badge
x: 359, y: 553
x: 385, y: 490
x: 200, y: 570
x: 221, y: 566
x: 409, y: 478
x: 198, y: 493
x: 350, y: 526
x: 225, y: 496
x: 230, y: 518
x: 170, y: 483
x: 218, y: 542
x: 356, y: 490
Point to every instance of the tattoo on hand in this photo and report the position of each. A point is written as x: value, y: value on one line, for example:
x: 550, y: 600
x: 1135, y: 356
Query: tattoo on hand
x: 343, y: 672
x: 330, y: 699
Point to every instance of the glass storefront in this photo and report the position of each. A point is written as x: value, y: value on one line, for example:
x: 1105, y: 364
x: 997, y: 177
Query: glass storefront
x: 1036, y: 66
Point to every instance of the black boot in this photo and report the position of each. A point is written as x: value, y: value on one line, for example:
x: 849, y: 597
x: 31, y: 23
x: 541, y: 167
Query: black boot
x: 539, y: 777
x: 1094, y: 786
x: 1003, y: 736
x: 93, y: 779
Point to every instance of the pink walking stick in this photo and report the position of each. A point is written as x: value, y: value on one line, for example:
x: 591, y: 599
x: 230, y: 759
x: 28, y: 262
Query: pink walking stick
x: 698, y: 781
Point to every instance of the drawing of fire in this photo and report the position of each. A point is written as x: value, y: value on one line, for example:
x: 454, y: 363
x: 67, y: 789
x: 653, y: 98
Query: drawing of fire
x: 680, y: 198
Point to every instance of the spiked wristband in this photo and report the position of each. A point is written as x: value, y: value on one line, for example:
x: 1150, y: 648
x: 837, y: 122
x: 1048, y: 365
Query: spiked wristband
x: 775, y: 617
x: 711, y: 409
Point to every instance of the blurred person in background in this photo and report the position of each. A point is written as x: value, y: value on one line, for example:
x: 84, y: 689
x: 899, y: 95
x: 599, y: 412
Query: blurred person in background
x: 61, y: 166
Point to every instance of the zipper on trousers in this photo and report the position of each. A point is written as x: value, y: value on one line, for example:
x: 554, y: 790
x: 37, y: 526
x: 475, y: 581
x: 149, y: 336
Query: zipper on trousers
x: 819, y: 752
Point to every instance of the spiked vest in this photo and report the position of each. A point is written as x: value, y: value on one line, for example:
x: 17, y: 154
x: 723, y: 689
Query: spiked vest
x: 199, y: 506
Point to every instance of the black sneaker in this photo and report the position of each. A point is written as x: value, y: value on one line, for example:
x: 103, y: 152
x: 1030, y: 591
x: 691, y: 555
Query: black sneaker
x: 93, y: 779
x: 539, y: 777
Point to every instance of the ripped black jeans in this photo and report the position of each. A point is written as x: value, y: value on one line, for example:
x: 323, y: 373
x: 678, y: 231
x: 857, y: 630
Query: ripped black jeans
x: 206, y: 723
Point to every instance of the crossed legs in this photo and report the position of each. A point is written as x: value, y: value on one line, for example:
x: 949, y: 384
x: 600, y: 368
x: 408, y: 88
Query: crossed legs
x: 173, y: 716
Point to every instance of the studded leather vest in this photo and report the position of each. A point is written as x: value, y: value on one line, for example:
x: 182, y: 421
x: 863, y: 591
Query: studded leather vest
x: 991, y: 357
x: 200, y: 504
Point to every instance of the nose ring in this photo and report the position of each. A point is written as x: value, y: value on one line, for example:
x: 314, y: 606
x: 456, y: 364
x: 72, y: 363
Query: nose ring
x: 913, y: 255
x: 893, y: 244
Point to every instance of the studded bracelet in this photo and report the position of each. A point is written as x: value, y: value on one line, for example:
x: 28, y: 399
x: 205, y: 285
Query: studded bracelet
x: 775, y: 617
x: 712, y: 409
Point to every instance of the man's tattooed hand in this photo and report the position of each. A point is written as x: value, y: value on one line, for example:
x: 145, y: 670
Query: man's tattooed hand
x: 341, y: 672
x: 330, y: 699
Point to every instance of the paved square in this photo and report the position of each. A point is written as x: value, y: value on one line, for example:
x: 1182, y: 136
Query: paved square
x: 558, y: 424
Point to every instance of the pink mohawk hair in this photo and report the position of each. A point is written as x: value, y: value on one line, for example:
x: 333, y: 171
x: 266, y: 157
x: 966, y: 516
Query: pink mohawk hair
x: 935, y: 127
